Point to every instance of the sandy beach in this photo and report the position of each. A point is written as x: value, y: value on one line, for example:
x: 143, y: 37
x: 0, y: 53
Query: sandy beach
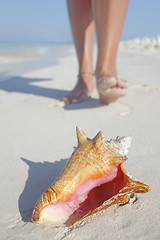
x: 38, y: 133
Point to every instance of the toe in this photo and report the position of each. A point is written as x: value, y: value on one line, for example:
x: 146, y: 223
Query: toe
x: 66, y: 100
x: 122, y: 83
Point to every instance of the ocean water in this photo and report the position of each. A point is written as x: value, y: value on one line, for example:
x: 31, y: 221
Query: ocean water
x: 30, y: 49
x: 20, y: 57
x: 11, y: 44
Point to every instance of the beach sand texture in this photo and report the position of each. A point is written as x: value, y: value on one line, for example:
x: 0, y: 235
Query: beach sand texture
x: 37, y: 135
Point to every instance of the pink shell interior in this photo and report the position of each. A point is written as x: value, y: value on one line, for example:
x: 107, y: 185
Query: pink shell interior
x: 88, y: 196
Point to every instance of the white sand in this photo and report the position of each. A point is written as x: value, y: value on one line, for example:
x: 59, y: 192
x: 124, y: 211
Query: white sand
x: 37, y: 135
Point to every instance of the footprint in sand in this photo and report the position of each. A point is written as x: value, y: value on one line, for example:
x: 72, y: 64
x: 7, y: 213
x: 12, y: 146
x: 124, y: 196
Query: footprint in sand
x: 56, y: 103
x: 139, y: 88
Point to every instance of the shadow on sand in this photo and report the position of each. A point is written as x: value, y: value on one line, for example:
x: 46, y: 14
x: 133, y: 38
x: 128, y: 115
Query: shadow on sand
x: 25, y: 85
x: 40, y: 177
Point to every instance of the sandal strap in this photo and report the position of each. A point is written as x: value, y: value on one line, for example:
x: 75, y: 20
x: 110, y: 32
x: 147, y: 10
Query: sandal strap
x: 85, y: 73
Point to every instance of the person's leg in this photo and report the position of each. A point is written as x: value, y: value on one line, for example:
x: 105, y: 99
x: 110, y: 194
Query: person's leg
x: 82, y: 24
x: 109, y: 16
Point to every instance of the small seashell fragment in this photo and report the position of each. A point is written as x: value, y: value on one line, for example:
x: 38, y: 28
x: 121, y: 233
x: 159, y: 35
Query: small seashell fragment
x: 92, y: 180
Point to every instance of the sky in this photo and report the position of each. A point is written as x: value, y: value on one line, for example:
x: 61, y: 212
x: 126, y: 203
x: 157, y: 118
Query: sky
x: 47, y: 20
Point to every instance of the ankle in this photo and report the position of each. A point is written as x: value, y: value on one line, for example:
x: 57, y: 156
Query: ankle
x: 105, y: 72
x: 87, y: 79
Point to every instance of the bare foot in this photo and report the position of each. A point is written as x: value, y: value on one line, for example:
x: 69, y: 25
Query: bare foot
x: 112, y: 88
x: 83, y: 90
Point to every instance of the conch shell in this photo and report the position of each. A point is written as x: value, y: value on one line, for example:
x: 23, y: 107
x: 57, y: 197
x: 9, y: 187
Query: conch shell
x: 92, y: 180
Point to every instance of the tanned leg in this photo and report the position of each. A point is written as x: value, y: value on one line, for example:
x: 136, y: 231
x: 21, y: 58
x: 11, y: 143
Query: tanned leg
x: 109, y: 17
x: 82, y: 24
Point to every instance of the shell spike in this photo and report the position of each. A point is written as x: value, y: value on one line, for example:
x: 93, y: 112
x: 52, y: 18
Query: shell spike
x: 99, y: 140
x: 80, y: 136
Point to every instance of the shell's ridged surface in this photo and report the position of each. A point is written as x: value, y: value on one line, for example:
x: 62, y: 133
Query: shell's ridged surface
x: 92, y: 159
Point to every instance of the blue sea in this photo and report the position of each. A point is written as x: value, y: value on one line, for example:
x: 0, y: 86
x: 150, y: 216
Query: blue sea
x: 31, y: 48
x: 14, y: 44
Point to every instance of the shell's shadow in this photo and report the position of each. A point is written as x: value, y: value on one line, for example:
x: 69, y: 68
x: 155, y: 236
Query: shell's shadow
x: 40, y: 177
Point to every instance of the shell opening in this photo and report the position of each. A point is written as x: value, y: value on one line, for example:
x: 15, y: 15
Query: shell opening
x: 87, y: 198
